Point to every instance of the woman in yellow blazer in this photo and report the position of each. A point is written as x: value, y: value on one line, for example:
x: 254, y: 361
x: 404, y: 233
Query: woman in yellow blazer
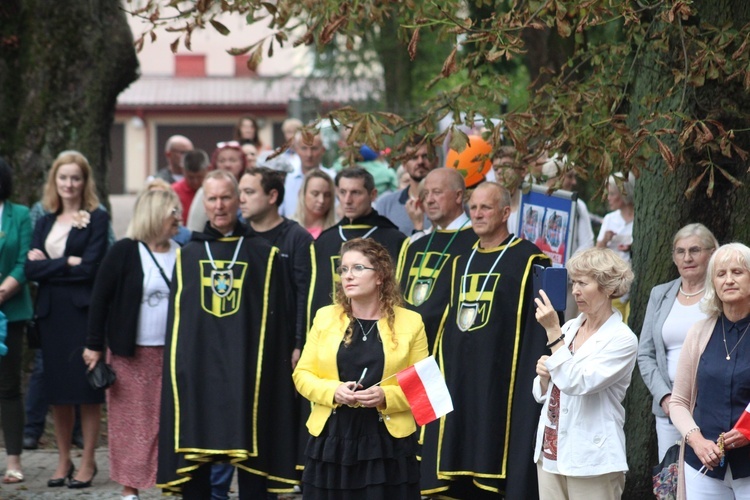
x: 363, y: 436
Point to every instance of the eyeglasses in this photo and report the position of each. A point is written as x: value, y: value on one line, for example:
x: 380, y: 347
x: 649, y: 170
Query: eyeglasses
x: 692, y: 251
x: 228, y: 144
x: 176, y: 212
x: 356, y: 269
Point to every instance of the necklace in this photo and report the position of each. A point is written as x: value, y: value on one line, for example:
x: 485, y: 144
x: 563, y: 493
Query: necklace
x: 689, y: 295
x: 467, y: 311
x: 223, y: 279
x: 723, y: 334
x: 364, y: 335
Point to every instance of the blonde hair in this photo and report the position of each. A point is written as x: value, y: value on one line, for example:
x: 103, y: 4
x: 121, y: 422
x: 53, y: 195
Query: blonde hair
x: 611, y: 272
x: 390, y: 291
x: 51, y: 199
x: 151, y: 209
x: 299, y: 214
x: 712, y: 304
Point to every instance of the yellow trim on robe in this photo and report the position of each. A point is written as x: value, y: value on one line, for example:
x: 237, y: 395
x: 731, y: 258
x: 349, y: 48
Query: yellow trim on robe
x: 173, y: 347
x: 447, y: 475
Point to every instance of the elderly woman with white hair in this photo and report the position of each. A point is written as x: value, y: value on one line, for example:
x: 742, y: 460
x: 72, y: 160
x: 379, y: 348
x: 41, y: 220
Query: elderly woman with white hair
x: 712, y: 386
x: 580, y: 441
x: 673, y: 307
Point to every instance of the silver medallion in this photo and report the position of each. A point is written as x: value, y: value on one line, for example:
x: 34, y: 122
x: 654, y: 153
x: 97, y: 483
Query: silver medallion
x: 221, y: 282
x: 467, y: 314
x: 421, y: 290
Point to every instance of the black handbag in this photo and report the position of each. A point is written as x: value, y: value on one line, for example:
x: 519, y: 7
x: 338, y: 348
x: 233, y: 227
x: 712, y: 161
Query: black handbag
x: 665, y: 475
x: 102, y: 376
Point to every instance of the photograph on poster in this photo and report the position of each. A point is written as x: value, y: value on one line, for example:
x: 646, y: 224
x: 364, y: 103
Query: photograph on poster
x: 547, y: 220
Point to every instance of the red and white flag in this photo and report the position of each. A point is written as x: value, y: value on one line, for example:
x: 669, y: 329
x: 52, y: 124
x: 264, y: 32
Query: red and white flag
x: 743, y: 424
x: 425, y: 389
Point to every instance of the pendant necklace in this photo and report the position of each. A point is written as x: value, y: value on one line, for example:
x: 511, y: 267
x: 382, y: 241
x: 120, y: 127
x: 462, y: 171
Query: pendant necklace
x: 364, y: 236
x: 723, y: 334
x: 690, y: 295
x: 364, y: 335
x: 467, y: 311
x: 223, y: 279
x: 422, y: 285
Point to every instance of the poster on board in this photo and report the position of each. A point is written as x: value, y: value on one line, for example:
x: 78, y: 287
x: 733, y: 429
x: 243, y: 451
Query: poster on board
x: 548, y: 221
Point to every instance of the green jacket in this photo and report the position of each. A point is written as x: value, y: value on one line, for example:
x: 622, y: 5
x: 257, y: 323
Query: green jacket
x: 15, y: 238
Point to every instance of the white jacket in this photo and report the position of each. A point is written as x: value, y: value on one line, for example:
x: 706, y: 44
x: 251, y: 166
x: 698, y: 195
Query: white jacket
x: 591, y: 439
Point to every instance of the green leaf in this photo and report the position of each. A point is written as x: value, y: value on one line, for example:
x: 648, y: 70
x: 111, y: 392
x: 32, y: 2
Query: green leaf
x: 219, y: 27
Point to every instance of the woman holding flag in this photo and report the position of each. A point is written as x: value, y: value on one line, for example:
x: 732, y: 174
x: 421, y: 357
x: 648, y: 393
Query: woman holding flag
x: 712, y: 387
x: 363, y: 435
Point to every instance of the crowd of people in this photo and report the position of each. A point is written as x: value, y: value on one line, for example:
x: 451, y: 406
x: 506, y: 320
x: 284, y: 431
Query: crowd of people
x: 260, y: 305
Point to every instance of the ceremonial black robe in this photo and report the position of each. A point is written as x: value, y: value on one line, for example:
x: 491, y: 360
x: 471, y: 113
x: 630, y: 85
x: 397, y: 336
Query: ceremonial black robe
x: 426, y: 274
x: 227, y: 393
x: 486, y: 443
x: 325, y: 254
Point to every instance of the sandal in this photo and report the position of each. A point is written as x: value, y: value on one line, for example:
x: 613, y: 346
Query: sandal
x: 13, y: 477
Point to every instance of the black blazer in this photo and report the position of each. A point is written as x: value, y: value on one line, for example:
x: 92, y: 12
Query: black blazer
x: 89, y: 243
x: 116, y: 300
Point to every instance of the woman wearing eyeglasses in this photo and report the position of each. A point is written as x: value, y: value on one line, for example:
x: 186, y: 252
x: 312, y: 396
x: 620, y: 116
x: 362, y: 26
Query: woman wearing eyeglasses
x: 363, y: 437
x: 672, y: 309
x: 129, y: 317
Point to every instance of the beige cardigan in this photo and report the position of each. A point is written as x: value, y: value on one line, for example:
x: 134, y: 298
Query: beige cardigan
x: 685, y: 389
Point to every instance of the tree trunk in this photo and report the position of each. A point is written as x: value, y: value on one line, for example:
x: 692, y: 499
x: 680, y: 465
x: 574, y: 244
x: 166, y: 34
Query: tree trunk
x: 662, y: 208
x: 396, y: 65
x: 62, y: 65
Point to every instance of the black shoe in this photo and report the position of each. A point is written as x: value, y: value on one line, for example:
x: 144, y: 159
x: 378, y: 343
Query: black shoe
x: 76, y: 484
x: 60, y: 481
x: 30, y: 443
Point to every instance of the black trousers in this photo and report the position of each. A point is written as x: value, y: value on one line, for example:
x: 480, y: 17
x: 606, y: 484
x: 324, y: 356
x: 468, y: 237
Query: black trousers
x: 252, y: 486
x: 11, y: 402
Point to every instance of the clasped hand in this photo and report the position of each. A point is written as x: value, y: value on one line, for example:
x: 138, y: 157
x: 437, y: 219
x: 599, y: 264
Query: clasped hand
x: 352, y: 394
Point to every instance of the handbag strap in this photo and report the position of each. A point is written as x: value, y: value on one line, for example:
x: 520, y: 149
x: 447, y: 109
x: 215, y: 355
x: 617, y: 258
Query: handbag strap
x: 161, y: 271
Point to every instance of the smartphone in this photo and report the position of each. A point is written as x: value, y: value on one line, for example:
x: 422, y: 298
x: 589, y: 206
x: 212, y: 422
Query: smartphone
x: 554, y: 282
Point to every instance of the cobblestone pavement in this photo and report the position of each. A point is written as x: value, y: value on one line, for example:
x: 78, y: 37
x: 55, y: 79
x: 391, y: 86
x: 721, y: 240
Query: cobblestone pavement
x: 39, y: 465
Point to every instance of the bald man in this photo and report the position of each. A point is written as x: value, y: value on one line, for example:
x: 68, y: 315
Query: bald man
x: 488, y: 347
x: 426, y: 275
x: 174, y: 151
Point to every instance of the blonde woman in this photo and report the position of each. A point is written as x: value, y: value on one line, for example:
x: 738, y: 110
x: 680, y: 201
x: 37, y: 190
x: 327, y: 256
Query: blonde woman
x: 67, y: 247
x: 315, y: 206
x: 129, y: 318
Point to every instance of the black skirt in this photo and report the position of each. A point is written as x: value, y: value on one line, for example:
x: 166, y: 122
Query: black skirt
x: 356, y: 457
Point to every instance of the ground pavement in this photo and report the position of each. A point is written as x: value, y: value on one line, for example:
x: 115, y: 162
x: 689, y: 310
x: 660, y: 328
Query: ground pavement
x: 39, y: 465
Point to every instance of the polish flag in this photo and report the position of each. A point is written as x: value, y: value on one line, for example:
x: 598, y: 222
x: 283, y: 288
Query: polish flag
x: 425, y: 389
x: 743, y: 424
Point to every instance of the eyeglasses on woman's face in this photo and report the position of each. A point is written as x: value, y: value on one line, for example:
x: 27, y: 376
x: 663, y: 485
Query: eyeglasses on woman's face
x: 692, y: 252
x: 356, y: 269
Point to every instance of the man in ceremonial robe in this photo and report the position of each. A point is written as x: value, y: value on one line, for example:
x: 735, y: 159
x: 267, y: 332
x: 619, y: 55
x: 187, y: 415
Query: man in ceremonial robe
x: 227, y: 394
x: 426, y: 271
x: 355, y: 189
x: 487, y: 348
